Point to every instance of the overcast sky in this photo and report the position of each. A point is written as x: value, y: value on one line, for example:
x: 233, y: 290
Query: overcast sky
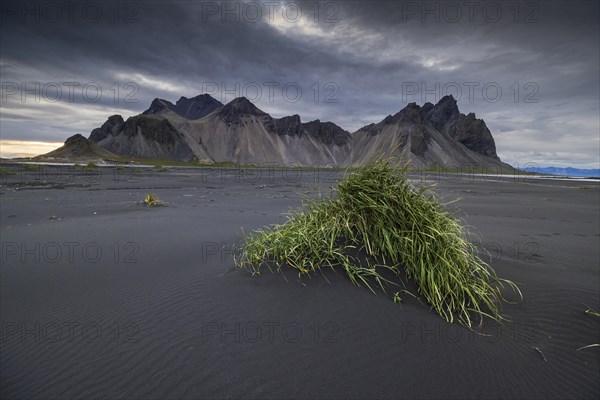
x: 529, y: 69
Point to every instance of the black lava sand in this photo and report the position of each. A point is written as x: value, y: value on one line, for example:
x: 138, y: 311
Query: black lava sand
x: 102, y: 297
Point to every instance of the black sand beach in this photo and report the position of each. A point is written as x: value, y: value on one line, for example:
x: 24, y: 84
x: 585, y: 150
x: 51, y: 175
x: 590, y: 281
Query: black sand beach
x: 102, y: 297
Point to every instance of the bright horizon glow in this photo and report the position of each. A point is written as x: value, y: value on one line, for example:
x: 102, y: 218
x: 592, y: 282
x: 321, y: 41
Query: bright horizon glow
x: 25, y: 148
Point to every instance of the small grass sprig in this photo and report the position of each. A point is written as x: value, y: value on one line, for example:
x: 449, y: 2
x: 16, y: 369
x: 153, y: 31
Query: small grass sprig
x: 151, y: 200
x: 595, y: 313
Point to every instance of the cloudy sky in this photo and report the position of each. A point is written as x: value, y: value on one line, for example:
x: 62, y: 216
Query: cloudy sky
x: 530, y: 69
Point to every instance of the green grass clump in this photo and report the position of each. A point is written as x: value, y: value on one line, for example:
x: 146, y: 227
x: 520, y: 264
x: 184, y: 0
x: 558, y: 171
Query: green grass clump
x: 6, y: 171
x: 151, y: 200
x: 379, y: 221
x: 91, y: 165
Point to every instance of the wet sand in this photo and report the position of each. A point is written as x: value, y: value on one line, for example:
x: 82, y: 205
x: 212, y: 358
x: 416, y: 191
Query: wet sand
x: 101, y: 296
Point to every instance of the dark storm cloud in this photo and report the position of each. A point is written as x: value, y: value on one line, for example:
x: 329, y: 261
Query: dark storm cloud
x: 364, y: 57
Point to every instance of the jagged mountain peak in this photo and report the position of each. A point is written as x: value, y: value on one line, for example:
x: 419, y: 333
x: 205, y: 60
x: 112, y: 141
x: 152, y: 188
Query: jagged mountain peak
x: 244, y: 106
x: 113, y: 125
x: 158, y: 105
x: 409, y: 114
x: 295, y: 118
x: 448, y: 97
x: 192, y: 108
x: 204, y: 98
x: 443, y: 112
x: 466, y: 129
x: 290, y: 125
x: 75, y: 139
x: 327, y: 132
x: 449, y: 103
x: 234, y: 111
x: 196, y: 107
x: 416, y: 127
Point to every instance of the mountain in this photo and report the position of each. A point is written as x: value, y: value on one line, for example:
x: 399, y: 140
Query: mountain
x: 203, y: 129
x: 146, y: 136
x: 466, y: 129
x: 194, y: 108
x: 77, y: 147
x: 111, y: 127
x: 429, y: 136
x: 327, y: 133
x: 242, y: 133
x: 567, y: 171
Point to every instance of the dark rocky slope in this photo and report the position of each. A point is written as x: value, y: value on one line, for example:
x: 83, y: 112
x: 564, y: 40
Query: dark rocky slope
x: 201, y: 128
x: 77, y: 147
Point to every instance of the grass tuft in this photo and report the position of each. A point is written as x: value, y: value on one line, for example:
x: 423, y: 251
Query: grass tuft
x: 591, y: 311
x: 595, y: 313
x: 151, y: 200
x: 377, y: 221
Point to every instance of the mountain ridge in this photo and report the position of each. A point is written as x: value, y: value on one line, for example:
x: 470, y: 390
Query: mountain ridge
x: 203, y: 129
x: 192, y: 108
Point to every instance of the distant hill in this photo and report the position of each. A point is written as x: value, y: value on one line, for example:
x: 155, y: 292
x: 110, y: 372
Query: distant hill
x: 77, y: 147
x: 203, y: 129
x: 568, y: 171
